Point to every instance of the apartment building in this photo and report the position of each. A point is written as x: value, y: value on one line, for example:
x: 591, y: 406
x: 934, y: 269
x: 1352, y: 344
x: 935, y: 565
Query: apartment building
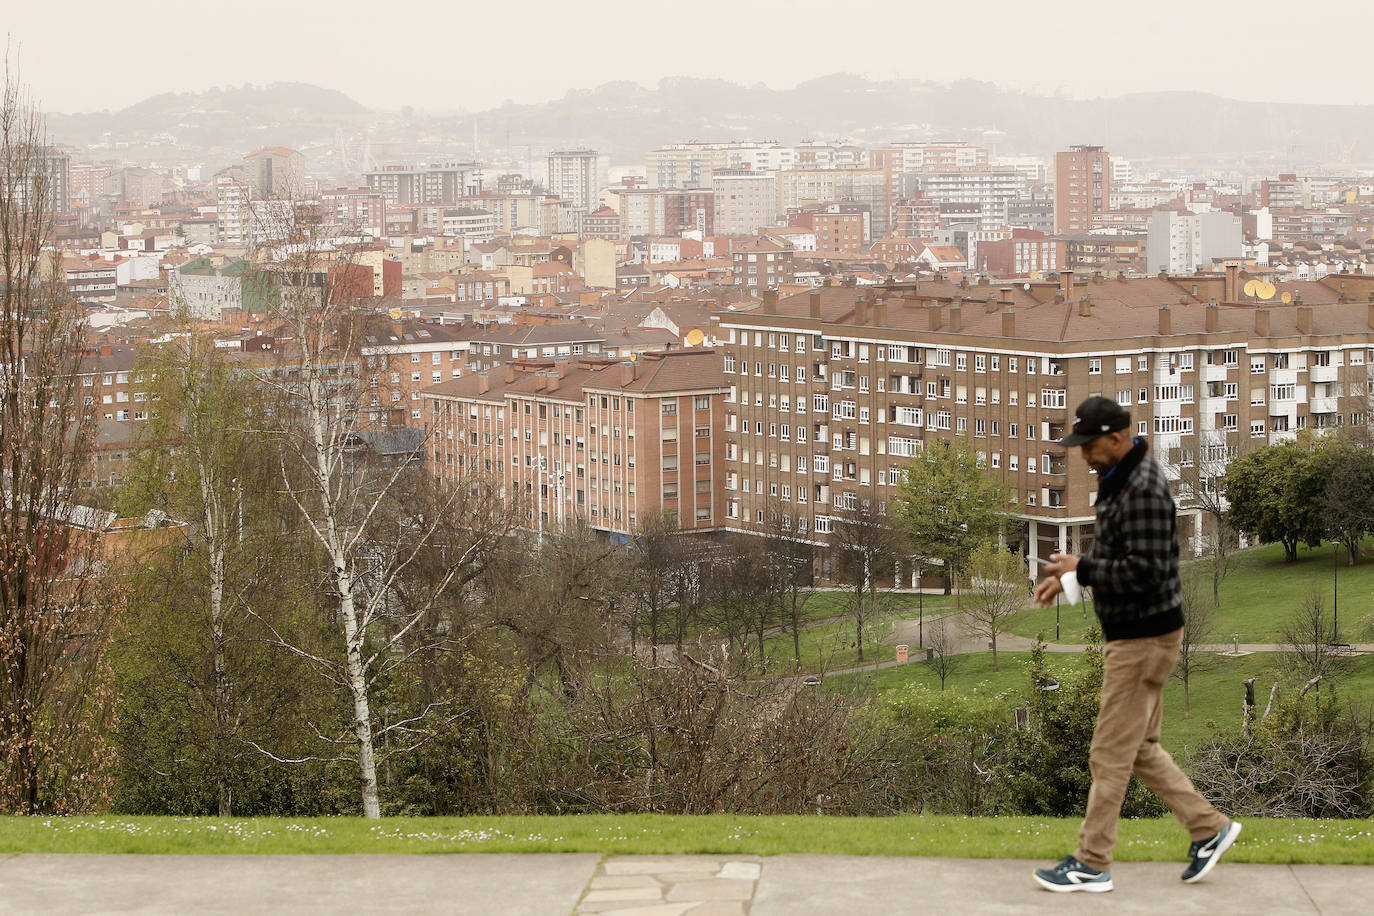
x: 574, y: 174
x: 832, y: 392
x: 843, y: 229
x: 762, y: 264
x: 745, y: 200
x: 691, y: 165
x: 232, y: 213
x: 426, y: 184
x: 1026, y: 253
x: 399, y: 361
x: 1082, y: 187
x: 800, y: 188
x: 930, y: 156
x: 274, y: 171
x: 596, y: 441
x: 991, y: 191
x: 1186, y: 242
x: 354, y: 210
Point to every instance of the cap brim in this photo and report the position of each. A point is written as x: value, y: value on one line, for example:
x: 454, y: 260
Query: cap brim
x: 1073, y: 439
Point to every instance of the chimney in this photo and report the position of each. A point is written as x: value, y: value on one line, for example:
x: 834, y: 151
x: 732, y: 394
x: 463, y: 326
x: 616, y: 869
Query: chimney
x: 1213, y: 317
x: 510, y: 373
x: 1371, y: 312
x: 1231, y: 290
x: 880, y: 313
x: 483, y: 384
x: 1304, y: 319
x: 1166, y: 322
x: 1004, y: 295
x: 1008, y: 322
x: 814, y: 310
x: 1066, y: 284
x: 1085, y: 307
x: 770, y: 302
x: 627, y: 374
x: 956, y: 316
x: 861, y: 311
x: 540, y: 383
x: 935, y: 314
x: 1262, y: 322
x: 562, y: 370
x: 553, y: 383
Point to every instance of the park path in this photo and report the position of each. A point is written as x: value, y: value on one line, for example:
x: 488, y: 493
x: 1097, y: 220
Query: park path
x: 559, y: 884
x: 909, y: 632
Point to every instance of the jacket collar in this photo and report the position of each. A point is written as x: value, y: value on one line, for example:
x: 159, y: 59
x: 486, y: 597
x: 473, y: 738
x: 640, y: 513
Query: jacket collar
x: 1114, y: 480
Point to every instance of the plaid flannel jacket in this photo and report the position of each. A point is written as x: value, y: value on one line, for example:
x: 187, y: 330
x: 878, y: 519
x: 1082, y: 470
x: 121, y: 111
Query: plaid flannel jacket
x: 1133, y: 564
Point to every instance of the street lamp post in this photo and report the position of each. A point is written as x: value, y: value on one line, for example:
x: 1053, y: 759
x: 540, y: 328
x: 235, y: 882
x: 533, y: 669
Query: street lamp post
x: 1335, y: 595
x: 921, y: 607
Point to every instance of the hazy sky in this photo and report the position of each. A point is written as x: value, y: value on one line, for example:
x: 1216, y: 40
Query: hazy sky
x: 85, y: 56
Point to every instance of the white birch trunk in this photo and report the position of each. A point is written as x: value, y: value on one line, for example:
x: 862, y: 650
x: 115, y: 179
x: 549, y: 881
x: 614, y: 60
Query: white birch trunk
x: 355, y: 627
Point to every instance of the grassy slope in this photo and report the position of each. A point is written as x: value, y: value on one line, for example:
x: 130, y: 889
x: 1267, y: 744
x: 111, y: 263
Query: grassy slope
x: 1271, y: 841
x: 1217, y: 692
x: 1256, y: 598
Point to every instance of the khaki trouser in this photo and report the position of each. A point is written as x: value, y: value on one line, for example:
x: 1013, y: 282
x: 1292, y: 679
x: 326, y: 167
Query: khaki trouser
x: 1126, y: 740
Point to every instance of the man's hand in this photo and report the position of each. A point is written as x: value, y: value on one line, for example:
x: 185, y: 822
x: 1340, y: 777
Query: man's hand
x: 1059, y: 564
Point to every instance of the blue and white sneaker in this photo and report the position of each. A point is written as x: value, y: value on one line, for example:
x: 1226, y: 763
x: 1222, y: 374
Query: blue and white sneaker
x: 1072, y: 875
x: 1205, y: 853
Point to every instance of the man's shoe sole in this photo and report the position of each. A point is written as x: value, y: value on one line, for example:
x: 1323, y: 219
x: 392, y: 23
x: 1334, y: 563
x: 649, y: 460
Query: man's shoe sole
x: 1092, y: 887
x: 1224, y: 845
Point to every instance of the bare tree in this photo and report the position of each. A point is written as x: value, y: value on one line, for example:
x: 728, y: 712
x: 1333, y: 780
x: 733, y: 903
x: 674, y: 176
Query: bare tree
x: 1307, y: 637
x: 943, y: 645
x: 50, y: 630
x: 1198, y: 631
x: 349, y: 501
x: 997, y: 591
x: 1200, y: 474
x: 556, y: 595
x: 867, y: 547
x: 656, y: 558
x: 791, y: 559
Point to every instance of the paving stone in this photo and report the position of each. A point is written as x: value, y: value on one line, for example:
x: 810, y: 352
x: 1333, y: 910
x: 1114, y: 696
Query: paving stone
x: 623, y: 893
x: 606, y: 882
x: 749, y: 871
x: 662, y: 909
x: 632, y: 865
x: 717, y: 908
x: 718, y: 889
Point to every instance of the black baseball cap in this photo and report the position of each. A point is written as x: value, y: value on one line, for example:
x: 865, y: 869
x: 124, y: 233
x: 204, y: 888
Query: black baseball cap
x: 1094, y: 417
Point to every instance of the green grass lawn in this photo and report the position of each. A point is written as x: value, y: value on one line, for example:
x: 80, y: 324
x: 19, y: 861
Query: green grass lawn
x: 1265, y: 841
x: 1257, y: 598
x: 971, y: 673
x: 830, y: 645
x: 1216, y: 692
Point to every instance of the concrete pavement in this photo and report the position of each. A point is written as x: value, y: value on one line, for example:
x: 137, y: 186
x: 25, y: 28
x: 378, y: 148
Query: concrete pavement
x: 578, y: 883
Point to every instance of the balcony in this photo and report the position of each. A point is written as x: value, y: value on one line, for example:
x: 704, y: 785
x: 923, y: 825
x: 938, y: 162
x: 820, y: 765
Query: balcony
x: 1058, y: 467
x: 1213, y: 373
x: 1323, y: 373
x: 1324, y: 405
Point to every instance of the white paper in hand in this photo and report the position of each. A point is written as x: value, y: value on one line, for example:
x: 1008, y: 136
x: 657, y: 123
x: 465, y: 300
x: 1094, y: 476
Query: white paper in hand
x: 1073, y: 592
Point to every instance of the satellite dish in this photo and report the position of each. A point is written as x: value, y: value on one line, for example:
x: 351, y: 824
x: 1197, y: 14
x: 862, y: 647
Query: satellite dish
x: 395, y: 314
x: 1026, y: 287
x: 1251, y: 286
x: 634, y: 357
x: 1286, y: 298
x: 1265, y: 290
x: 695, y: 337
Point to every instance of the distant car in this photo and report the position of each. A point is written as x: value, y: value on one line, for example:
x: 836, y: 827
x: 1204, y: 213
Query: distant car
x: 811, y: 680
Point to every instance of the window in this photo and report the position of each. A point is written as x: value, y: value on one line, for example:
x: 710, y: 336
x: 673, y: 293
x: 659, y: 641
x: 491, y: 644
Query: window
x: 1094, y: 367
x: 1257, y: 365
x: 1123, y: 365
x: 980, y: 363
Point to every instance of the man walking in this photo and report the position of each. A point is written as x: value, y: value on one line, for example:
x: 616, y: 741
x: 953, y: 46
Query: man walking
x: 1133, y: 569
